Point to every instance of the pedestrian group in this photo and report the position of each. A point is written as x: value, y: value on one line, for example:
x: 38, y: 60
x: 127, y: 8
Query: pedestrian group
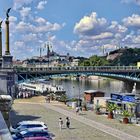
x: 61, y: 123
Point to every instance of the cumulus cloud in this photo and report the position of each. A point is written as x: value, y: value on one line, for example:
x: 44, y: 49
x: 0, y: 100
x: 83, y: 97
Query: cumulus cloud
x: 29, y: 37
x: 93, y: 31
x: 115, y: 27
x: 131, y: 1
x: 19, y: 3
x: 133, y: 20
x: 40, y: 20
x: 132, y: 39
x: 24, y: 27
x: 48, y: 27
x: 25, y: 11
x: 19, y: 43
x: 94, y: 28
x: 12, y: 19
x: 104, y: 35
x: 90, y: 25
x: 41, y: 5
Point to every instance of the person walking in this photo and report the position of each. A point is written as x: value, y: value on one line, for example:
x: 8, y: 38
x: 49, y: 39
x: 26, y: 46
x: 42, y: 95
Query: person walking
x: 60, y: 123
x: 77, y: 110
x: 67, y: 122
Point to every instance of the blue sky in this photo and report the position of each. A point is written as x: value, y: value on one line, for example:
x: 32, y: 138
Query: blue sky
x: 79, y: 27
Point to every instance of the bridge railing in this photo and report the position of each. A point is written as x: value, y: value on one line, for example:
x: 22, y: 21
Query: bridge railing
x: 76, y: 68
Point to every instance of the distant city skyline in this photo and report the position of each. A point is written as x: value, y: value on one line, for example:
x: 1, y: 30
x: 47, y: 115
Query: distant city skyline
x: 77, y: 27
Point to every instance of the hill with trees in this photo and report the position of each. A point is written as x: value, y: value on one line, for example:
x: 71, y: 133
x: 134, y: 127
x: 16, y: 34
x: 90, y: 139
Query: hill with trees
x: 121, y: 57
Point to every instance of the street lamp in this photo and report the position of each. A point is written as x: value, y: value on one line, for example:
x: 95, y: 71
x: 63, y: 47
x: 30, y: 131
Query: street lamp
x: 79, y: 104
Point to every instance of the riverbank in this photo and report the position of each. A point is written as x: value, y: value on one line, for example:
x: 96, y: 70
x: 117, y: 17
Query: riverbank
x: 36, y: 109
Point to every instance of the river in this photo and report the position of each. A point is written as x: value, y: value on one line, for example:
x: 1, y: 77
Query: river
x: 76, y: 88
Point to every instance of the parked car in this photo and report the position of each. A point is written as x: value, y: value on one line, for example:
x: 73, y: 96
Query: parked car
x: 32, y: 132
x: 28, y: 124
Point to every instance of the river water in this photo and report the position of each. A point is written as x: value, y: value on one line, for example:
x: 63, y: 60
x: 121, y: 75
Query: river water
x: 76, y: 88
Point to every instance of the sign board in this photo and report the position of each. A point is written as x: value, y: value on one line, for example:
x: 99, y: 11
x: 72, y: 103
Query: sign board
x: 128, y: 99
x: 116, y: 97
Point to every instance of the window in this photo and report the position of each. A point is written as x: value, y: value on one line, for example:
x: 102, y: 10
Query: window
x: 34, y: 125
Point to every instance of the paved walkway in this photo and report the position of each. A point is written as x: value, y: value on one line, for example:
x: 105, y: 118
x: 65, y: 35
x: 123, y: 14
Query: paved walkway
x: 77, y: 131
x: 111, y: 131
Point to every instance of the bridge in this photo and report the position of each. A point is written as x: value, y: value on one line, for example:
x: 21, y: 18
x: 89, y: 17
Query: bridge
x: 123, y: 73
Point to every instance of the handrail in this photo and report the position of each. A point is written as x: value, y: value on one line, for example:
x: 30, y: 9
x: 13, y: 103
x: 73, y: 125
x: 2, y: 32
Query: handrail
x: 4, y: 131
x: 76, y: 68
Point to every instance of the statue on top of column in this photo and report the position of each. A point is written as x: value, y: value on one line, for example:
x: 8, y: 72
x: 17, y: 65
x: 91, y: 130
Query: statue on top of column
x: 1, y: 23
x: 7, y: 13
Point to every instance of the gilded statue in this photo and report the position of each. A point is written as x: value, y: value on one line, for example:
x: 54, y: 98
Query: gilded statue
x: 7, y: 12
x: 1, y: 23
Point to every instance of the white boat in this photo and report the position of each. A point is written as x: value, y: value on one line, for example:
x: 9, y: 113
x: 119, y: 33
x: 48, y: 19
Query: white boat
x: 42, y: 87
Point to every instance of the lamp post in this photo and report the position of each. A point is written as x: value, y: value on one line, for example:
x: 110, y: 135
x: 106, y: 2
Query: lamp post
x: 0, y: 44
x: 79, y: 94
x: 1, y: 39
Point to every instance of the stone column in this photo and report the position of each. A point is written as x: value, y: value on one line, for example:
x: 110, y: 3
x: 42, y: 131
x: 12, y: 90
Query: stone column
x: 5, y: 107
x: 7, y: 58
x: 7, y: 49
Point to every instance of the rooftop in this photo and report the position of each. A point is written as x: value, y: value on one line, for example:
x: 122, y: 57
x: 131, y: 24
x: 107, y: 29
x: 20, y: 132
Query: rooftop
x: 93, y: 91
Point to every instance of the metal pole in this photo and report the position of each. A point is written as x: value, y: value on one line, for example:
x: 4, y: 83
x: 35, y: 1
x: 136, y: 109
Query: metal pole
x: 79, y: 94
x: 0, y: 40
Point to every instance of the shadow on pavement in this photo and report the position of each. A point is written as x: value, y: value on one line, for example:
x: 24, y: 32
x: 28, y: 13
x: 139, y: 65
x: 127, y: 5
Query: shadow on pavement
x: 15, y: 117
x: 82, y: 114
x: 68, y: 128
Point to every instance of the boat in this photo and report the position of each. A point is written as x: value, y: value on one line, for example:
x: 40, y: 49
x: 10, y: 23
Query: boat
x: 42, y: 87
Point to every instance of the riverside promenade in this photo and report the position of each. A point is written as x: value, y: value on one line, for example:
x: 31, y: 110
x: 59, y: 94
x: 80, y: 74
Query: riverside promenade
x: 85, y: 126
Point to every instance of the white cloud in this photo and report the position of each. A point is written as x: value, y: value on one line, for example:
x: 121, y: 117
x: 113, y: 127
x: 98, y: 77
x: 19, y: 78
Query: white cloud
x: 29, y: 37
x: 25, y: 11
x: 132, y: 39
x: 19, y: 3
x: 104, y: 35
x: 41, y: 5
x: 19, y: 43
x: 134, y: 21
x: 40, y: 20
x: 93, y: 28
x: 90, y: 25
x: 115, y: 27
x: 12, y: 19
x: 24, y: 27
x: 131, y: 1
x: 48, y: 27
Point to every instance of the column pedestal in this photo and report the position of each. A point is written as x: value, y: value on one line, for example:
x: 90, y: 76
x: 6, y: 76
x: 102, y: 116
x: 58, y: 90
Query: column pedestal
x: 5, y: 107
x: 7, y: 61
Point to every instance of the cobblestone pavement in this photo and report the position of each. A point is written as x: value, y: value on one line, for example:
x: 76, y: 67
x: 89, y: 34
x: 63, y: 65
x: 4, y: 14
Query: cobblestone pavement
x: 131, y: 129
x: 77, y: 131
x: 109, y: 130
x: 87, y: 125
